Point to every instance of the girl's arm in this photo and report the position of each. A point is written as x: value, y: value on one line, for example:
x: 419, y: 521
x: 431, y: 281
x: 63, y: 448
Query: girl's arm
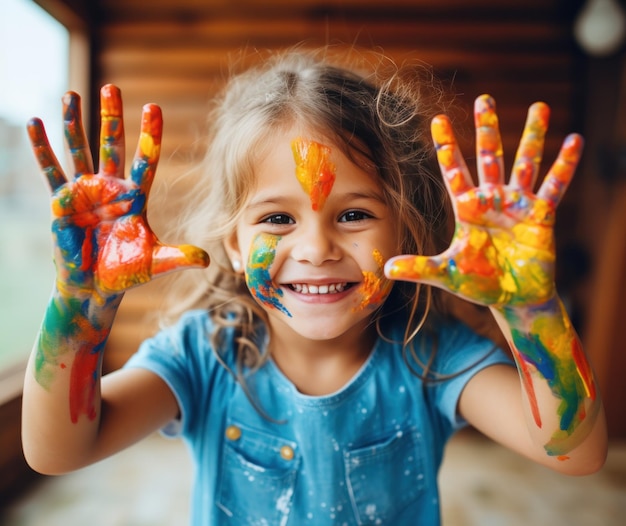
x: 502, y: 255
x: 560, y: 403
x: 103, y: 246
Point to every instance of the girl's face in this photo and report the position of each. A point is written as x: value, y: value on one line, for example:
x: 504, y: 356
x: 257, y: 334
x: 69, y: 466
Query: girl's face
x: 313, y: 238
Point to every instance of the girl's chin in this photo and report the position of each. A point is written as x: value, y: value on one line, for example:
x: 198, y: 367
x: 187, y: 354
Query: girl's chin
x: 320, y: 326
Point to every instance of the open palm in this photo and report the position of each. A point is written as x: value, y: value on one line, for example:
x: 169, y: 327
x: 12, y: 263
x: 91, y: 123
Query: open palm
x: 102, y: 241
x: 502, y: 251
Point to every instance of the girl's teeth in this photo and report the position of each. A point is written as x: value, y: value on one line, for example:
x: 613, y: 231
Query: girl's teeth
x: 303, y: 288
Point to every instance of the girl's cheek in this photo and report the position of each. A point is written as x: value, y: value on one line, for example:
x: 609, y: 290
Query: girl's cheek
x: 258, y: 277
x: 375, y: 287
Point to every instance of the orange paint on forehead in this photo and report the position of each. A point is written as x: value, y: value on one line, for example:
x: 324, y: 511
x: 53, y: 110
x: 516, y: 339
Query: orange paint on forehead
x: 314, y: 170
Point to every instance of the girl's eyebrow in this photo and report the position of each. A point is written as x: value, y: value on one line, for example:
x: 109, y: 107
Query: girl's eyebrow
x: 281, y: 200
x: 377, y: 196
x: 267, y: 200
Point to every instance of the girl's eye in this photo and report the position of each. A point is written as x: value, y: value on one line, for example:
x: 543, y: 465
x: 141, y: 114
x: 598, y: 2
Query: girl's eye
x: 278, y: 219
x: 354, y: 215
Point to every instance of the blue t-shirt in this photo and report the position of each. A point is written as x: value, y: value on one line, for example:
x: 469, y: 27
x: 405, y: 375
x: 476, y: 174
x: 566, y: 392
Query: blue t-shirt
x: 367, y: 454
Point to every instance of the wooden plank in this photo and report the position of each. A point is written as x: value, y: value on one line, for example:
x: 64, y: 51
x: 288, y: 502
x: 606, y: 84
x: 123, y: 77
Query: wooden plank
x: 450, y: 9
x: 545, y: 37
x: 200, y: 61
x: 441, y: 5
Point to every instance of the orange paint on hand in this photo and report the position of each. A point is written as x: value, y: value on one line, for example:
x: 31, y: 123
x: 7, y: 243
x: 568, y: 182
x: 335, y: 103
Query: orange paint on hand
x: 528, y: 384
x: 314, y: 170
x: 584, y: 369
x: 151, y: 125
x: 485, y: 112
x: 410, y: 268
x: 448, y: 155
x: 87, y: 250
x: 530, y: 150
x: 479, y: 257
x: 122, y: 262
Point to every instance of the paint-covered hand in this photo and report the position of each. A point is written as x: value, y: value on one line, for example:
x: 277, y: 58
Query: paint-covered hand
x: 502, y: 252
x: 102, y: 241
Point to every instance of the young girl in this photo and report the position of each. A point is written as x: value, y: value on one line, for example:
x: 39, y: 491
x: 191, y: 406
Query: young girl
x: 315, y: 377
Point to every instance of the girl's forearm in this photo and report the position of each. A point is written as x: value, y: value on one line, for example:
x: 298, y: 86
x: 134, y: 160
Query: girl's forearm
x: 547, y: 350
x: 72, y: 337
x: 61, y: 404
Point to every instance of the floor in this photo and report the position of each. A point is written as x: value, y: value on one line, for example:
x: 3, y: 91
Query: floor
x: 481, y: 484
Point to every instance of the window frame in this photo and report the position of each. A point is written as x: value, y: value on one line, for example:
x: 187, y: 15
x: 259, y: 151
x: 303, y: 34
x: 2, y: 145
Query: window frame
x: 79, y: 71
x: 15, y: 475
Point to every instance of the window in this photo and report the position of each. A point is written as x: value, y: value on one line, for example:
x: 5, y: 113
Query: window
x: 34, y: 65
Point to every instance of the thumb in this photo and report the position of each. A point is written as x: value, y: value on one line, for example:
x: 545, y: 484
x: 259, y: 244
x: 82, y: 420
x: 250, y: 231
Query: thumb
x: 166, y: 258
x: 423, y: 269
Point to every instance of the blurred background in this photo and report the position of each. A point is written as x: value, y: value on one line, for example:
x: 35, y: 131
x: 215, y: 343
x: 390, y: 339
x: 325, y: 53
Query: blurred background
x: 176, y: 53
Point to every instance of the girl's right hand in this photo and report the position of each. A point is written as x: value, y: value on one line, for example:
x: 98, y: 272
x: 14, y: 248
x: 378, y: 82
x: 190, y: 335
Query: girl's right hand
x: 102, y: 241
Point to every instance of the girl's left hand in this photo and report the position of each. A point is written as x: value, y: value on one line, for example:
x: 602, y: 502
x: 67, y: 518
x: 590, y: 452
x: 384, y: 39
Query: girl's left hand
x: 502, y: 252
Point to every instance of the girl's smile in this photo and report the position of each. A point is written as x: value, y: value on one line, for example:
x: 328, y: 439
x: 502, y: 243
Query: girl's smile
x: 320, y: 291
x: 323, y: 289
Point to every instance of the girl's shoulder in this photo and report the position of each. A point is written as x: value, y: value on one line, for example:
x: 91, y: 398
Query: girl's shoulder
x: 189, y: 342
x: 191, y: 331
x: 445, y: 333
x: 448, y: 346
x: 456, y: 333
x: 186, y: 357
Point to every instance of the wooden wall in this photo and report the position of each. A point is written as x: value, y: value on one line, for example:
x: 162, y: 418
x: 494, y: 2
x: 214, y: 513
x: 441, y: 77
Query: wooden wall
x: 176, y: 53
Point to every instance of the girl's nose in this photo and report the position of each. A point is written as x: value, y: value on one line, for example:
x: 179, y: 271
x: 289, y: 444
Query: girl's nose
x: 316, y: 245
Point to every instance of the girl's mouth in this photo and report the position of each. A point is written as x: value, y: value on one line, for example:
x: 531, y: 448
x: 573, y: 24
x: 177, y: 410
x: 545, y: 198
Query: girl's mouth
x: 331, y: 288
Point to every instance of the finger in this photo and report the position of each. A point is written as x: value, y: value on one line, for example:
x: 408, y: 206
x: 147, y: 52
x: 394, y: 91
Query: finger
x: 451, y: 162
x: 422, y: 269
x: 488, y: 142
x: 48, y: 162
x: 556, y: 182
x: 467, y: 271
x: 148, y: 148
x: 111, y: 132
x: 167, y: 258
x: 75, y: 134
x: 530, y: 150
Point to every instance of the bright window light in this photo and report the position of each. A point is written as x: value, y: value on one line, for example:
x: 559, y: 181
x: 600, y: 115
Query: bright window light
x: 34, y: 62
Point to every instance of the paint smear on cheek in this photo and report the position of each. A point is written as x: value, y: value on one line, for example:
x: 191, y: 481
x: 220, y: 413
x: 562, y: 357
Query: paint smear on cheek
x: 375, y: 287
x: 258, y: 278
x: 314, y: 170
